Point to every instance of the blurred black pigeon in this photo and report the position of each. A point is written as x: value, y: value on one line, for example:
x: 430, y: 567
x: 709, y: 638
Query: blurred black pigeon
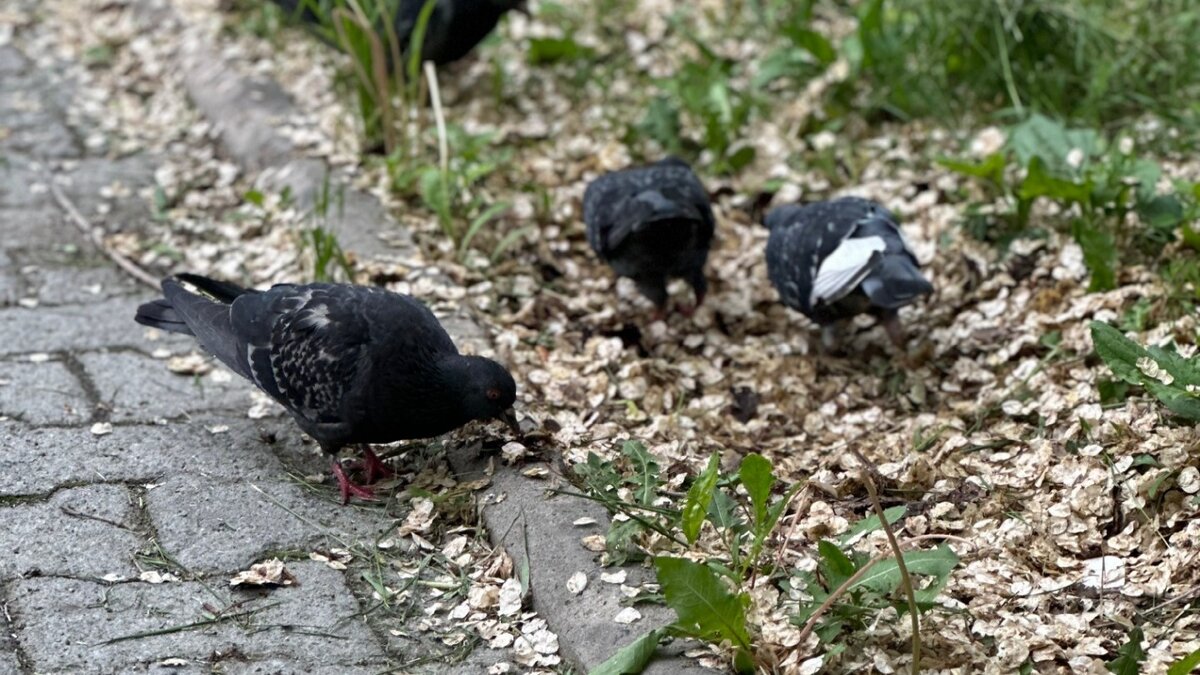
x: 832, y: 260
x: 651, y: 223
x: 352, y: 364
x: 454, y: 28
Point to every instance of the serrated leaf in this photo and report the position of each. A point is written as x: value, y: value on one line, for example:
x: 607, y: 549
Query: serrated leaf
x: 1099, y: 254
x: 704, y: 605
x: 1040, y: 182
x: 1117, y: 351
x: 1129, y: 656
x: 835, y: 564
x: 633, y: 657
x: 1185, y: 665
x: 755, y: 474
x: 990, y: 168
x: 884, y: 577
x: 1040, y: 136
x: 724, y: 514
x: 871, y: 523
x: 699, y: 496
x: 645, y: 469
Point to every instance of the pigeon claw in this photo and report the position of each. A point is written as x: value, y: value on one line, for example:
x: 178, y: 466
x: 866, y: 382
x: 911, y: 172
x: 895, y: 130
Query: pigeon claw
x: 348, y: 488
x: 374, y: 466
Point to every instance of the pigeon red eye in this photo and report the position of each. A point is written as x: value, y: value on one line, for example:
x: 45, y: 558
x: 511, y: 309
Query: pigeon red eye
x: 493, y: 395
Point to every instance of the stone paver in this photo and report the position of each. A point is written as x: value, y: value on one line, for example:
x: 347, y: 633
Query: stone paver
x: 134, y: 389
x: 88, y: 531
x: 35, y: 461
x: 215, y: 525
x: 42, y: 393
x: 62, y: 624
x: 107, y: 323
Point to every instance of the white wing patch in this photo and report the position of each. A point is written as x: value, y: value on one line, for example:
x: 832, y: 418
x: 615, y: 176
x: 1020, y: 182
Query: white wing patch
x: 845, y: 268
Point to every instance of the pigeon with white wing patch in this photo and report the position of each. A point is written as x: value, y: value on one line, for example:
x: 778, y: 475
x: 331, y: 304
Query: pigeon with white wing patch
x: 835, y: 259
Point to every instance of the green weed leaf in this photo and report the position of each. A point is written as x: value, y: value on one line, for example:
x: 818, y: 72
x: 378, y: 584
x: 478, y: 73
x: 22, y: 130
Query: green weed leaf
x: 645, y: 469
x: 755, y: 474
x: 633, y: 657
x: 705, y: 607
x: 1185, y: 665
x: 1129, y: 656
x: 871, y: 523
x: 884, y: 577
x: 699, y: 496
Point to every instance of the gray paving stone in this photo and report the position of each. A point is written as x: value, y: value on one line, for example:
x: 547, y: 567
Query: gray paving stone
x: 206, y: 524
x: 67, y: 535
x: 106, y: 323
x: 83, y: 183
x: 19, y: 177
x: 40, y: 227
x: 584, y: 623
x: 8, y: 663
x: 42, y: 393
x: 61, y: 622
x: 34, y: 461
x: 78, y: 285
x: 137, y: 388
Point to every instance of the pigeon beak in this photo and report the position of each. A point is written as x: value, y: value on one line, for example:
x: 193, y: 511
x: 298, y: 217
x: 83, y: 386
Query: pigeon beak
x: 510, y: 418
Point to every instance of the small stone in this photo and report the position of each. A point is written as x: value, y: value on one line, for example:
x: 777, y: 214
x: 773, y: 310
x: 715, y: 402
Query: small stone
x: 102, y: 428
x: 577, y: 582
x: 627, y: 615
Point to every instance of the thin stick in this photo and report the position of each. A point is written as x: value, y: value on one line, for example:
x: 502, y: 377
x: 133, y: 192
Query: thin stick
x: 905, y: 579
x: 435, y: 96
x: 93, y: 234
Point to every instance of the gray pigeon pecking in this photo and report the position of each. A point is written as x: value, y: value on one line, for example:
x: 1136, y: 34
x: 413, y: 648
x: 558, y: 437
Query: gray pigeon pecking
x: 454, y: 28
x: 651, y: 223
x: 352, y: 364
x: 832, y: 260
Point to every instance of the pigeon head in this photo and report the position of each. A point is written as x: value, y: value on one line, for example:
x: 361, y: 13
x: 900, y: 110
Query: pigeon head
x: 485, y: 389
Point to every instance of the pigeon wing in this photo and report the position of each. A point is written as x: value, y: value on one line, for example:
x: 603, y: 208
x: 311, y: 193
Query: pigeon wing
x: 305, y: 346
x: 844, y: 269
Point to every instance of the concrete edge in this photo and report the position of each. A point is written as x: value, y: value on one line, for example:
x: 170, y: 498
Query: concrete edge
x: 531, y: 527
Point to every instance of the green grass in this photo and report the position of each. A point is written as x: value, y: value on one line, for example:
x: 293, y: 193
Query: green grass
x: 1100, y: 64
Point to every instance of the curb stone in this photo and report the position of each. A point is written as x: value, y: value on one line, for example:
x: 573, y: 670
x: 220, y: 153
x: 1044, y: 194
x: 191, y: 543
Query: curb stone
x: 244, y: 113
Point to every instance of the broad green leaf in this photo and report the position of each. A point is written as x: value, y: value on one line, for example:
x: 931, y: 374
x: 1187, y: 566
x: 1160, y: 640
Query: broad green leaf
x: 699, y: 496
x: 836, y: 565
x: 871, y: 523
x: 1129, y: 656
x: 619, y: 541
x: 1146, y: 173
x: 554, y: 50
x: 704, y: 605
x: 1040, y: 182
x: 990, y: 168
x: 1119, y: 352
x: 814, y: 43
x: 633, y: 657
x: 884, y: 577
x: 1099, y: 254
x: 1039, y: 136
x: 1163, y: 212
x: 1184, y: 371
x: 755, y: 474
x: 1185, y: 665
x: 724, y: 513
x: 645, y: 469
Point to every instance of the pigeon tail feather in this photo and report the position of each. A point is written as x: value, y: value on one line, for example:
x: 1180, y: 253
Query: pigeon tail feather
x: 222, y: 291
x: 161, y: 315
x: 210, y: 322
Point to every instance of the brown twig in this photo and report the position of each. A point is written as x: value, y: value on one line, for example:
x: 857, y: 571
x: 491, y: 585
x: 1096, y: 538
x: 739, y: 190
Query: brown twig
x: 93, y: 234
x: 869, y: 471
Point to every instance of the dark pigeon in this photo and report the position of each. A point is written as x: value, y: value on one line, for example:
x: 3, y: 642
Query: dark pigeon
x: 835, y: 259
x: 454, y: 27
x: 652, y: 223
x: 352, y: 364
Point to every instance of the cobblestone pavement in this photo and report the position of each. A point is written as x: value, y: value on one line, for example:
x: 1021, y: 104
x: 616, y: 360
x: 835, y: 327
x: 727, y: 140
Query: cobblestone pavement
x: 115, y: 472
